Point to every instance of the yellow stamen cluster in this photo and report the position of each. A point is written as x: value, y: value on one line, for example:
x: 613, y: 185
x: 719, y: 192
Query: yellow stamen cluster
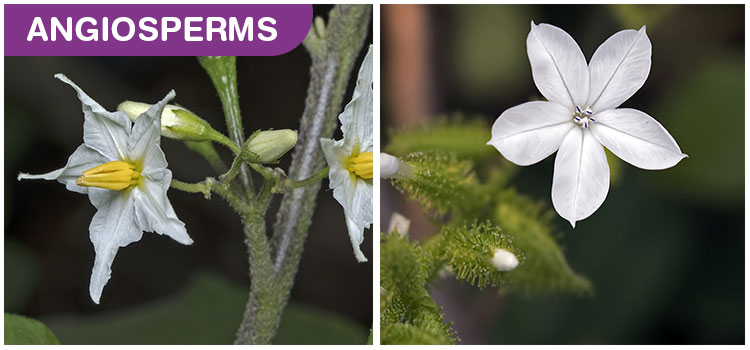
x: 115, y: 175
x: 361, y: 165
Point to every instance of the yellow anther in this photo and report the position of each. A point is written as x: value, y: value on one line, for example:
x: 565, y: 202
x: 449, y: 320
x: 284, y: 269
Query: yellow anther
x: 116, y: 175
x: 361, y: 165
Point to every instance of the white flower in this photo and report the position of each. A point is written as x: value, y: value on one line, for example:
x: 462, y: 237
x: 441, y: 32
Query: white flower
x: 581, y: 116
x: 350, y: 159
x: 123, y: 170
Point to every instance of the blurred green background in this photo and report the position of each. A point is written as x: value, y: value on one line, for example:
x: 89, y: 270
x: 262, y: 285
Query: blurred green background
x: 162, y: 292
x: 666, y: 249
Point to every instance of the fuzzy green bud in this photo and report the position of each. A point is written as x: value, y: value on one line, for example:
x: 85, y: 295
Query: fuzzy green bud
x: 176, y: 122
x: 270, y: 145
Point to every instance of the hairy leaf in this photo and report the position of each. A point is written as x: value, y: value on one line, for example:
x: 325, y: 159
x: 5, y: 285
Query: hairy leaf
x: 469, y: 252
x: 443, y: 183
x: 545, y: 269
x: 451, y: 134
x: 409, y: 315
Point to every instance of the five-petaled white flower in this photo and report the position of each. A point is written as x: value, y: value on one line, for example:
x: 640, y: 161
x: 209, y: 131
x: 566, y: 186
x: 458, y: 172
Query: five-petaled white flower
x: 123, y: 170
x: 350, y: 159
x: 581, y: 116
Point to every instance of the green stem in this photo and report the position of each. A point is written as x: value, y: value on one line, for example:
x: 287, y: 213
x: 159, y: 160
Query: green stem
x: 289, y: 183
x: 233, y: 171
x: 272, y: 180
x: 199, y: 187
x: 223, y: 189
x: 223, y: 73
x: 222, y: 139
x: 262, y: 305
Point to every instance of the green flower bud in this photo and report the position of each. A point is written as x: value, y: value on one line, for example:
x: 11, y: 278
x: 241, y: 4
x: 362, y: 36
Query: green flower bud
x: 270, y: 145
x: 176, y: 122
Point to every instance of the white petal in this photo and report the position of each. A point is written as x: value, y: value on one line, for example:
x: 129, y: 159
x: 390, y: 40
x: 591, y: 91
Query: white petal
x: 558, y: 65
x: 530, y: 132
x: 357, y: 204
x: 146, y: 134
x: 581, y: 180
x: 154, y: 212
x: 356, y: 119
x: 82, y: 159
x: 334, y: 152
x: 354, y: 194
x: 355, y: 197
x: 356, y: 235
x: 636, y: 138
x: 113, y: 226
x: 619, y: 68
x: 105, y: 132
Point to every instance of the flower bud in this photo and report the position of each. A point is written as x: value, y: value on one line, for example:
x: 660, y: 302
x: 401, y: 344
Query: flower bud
x: 504, y: 260
x: 176, y: 122
x: 270, y: 145
x: 399, y: 224
x: 392, y: 167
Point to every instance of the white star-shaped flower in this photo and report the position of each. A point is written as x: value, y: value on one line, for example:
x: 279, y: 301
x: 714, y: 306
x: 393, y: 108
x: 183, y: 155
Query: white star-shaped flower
x: 123, y: 170
x: 581, y: 116
x: 350, y: 159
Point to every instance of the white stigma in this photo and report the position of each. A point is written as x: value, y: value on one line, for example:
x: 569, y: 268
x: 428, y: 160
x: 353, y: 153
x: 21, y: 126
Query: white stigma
x: 504, y: 260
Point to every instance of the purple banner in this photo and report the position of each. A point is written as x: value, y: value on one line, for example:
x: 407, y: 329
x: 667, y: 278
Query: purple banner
x: 154, y: 30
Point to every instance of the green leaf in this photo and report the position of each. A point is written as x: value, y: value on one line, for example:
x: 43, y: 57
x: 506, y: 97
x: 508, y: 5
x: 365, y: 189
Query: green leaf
x: 400, y: 271
x: 407, y: 334
x: 545, y: 269
x: 21, y: 330
x: 465, y: 139
x: 304, y: 325
x: 209, y: 311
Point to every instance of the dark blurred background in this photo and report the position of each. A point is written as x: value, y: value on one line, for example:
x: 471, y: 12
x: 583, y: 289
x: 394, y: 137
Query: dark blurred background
x: 665, y: 252
x: 162, y: 292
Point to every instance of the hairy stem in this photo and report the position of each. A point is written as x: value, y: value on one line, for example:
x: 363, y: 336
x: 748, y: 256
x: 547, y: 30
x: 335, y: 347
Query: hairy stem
x: 263, y: 304
x: 288, y: 183
x: 334, y: 52
x: 333, y: 57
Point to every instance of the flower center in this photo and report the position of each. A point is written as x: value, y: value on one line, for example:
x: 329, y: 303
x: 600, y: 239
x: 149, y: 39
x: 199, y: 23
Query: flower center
x: 361, y: 165
x: 583, y: 117
x: 115, y: 175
